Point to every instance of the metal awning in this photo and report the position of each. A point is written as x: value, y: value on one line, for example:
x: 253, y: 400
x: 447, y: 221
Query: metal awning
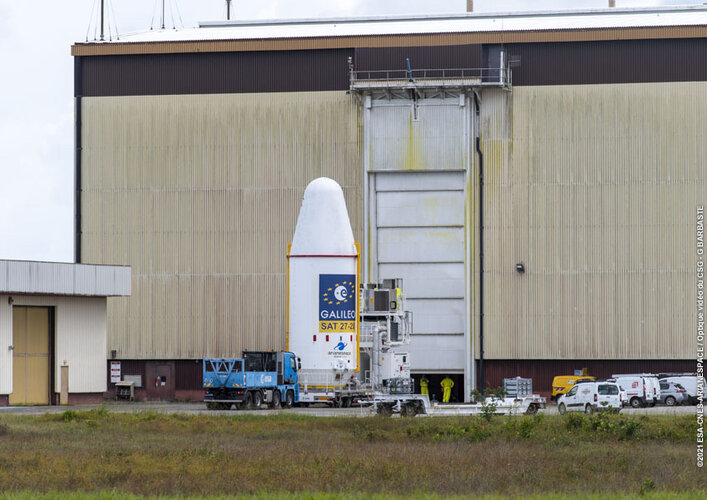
x: 60, y: 278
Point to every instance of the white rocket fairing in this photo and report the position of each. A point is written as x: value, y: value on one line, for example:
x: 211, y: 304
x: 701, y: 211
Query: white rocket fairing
x: 323, y: 286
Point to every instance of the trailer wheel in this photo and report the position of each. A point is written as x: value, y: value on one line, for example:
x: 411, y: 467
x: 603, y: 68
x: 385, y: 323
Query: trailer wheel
x: 636, y: 402
x: 225, y: 406
x: 248, y: 401
x: 384, y: 410
x: 408, y: 410
x: 257, y: 399
x: 289, y: 399
x: 212, y: 406
x: 562, y: 409
x: 588, y: 409
x: 532, y: 409
x: 276, y: 401
x: 346, y: 403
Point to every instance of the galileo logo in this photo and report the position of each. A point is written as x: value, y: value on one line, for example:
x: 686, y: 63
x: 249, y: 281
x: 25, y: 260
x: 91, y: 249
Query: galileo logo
x: 337, y: 303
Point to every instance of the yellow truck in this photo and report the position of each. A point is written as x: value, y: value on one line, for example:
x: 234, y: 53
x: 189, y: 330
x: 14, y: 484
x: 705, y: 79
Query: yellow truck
x: 563, y: 383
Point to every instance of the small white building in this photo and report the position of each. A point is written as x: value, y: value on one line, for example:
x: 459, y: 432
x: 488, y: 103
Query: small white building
x: 53, y: 330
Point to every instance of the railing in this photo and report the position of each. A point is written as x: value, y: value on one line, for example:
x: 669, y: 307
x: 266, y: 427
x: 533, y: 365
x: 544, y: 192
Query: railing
x: 483, y: 76
x: 405, y: 326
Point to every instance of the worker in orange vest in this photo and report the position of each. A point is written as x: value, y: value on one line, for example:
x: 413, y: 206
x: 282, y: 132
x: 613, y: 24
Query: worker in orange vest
x: 447, y: 384
x: 424, y: 384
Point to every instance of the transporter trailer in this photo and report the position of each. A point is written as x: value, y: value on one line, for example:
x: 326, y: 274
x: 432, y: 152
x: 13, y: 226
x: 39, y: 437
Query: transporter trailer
x: 259, y: 377
x: 409, y: 405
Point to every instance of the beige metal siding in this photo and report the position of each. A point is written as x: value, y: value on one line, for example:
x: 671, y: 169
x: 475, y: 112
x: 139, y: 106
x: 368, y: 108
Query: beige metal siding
x: 200, y: 195
x: 595, y: 191
x: 79, y: 340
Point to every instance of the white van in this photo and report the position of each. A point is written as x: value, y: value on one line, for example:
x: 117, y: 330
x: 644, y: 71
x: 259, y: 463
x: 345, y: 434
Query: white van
x: 590, y: 397
x: 689, y: 382
x: 641, y: 389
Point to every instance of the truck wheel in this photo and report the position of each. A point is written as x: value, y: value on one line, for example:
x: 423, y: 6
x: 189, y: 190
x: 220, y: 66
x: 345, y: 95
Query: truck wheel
x: 257, y: 399
x: 532, y: 409
x: 635, y: 403
x: 588, y: 409
x: 408, y: 410
x: 562, y: 409
x: 289, y: 399
x: 670, y: 401
x: 248, y: 401
x: 276, y: 401
x: 346, y: 403
x: 384, y: 410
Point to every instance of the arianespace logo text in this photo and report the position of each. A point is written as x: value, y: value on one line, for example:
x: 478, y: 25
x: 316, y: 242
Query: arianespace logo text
x: 337, y: 303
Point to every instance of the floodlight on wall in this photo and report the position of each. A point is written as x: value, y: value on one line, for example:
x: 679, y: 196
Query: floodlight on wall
x: 10, y: 300
x: 520, y: 267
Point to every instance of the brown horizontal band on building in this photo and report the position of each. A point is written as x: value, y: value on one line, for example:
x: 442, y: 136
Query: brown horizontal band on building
x: 623, y: 61
x: 634, y: 61
x: 392, y: 40
x: 431, y: 57
x: 215, y: 73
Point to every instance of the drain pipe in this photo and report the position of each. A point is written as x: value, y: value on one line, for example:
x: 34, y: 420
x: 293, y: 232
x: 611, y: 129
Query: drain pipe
x: 78, y: 94
x: 481, y: 243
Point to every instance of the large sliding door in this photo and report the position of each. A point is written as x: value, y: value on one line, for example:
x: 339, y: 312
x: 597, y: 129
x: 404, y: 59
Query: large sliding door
x: 419, y: 225
x: 31, y: 359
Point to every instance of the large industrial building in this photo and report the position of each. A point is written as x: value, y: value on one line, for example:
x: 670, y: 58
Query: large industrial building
x: 533, y: 179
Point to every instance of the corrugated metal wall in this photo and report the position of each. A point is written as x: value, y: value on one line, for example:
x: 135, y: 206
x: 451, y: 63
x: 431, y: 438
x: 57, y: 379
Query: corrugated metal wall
x: 200, y: 195
x: 594, y: 188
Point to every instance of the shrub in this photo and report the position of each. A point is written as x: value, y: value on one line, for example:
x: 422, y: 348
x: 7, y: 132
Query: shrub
x: 488, y: 410
x: 647, y: 486
x: 69, y: 416
x: 574, y: 420
x: 629, y: 428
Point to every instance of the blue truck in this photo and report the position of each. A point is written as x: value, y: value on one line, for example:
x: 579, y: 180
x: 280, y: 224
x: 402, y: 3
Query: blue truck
x: 259, y: 377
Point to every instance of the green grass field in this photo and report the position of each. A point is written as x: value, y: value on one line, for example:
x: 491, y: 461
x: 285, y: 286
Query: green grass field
x: 98, y: 454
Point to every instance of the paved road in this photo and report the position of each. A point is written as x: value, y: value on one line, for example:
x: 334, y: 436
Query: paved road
x: 188, y: 408
x: 318, y: 411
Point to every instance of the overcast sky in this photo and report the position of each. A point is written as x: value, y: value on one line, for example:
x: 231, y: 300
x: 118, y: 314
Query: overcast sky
x: 36, y: 91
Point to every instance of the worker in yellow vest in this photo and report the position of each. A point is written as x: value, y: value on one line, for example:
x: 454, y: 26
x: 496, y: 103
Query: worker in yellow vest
x: 424, y: 384
x: 447, y: 384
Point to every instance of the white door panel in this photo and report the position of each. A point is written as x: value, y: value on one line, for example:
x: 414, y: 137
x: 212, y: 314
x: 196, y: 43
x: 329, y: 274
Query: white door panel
x: 429, y: 281
x: 437, y: 353
x: 437, y: 316
x: 421, y: 208
x: 430, y: 244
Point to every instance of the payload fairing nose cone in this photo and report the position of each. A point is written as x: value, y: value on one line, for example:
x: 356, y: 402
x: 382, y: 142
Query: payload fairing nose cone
x: 323, y: 225
x: 323, y: 286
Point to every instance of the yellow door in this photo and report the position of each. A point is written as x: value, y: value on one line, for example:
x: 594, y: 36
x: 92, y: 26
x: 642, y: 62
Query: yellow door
x: 30, y: 360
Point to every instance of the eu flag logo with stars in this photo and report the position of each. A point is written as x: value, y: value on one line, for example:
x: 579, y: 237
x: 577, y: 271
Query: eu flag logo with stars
x: 337, y: 302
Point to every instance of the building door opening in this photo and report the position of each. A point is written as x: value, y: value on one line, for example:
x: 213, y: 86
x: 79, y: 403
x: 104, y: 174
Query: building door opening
x: 31, y: 357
